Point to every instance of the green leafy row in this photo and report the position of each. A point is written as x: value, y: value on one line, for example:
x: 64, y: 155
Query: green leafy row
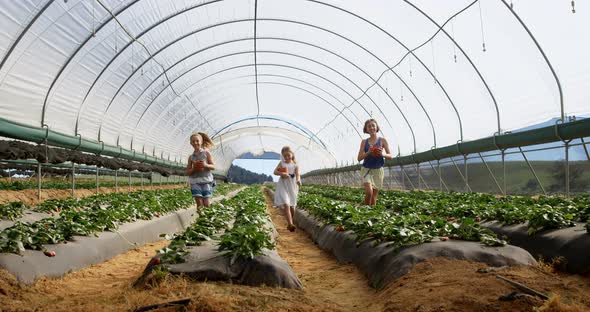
x: 249, y: 236
x: 396, y: 227
x: 246, y: 238
x: 12, y: 210
x: 211, y: 220
x: 102, y: 215
x: 542, y: 213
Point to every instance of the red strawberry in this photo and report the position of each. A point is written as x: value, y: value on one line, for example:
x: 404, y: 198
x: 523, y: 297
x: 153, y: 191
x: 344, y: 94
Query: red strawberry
x: 477, y: 219
x: 444, y: 238
x: 155, y: 261
x: 49, y: 253
x: 341, y: 228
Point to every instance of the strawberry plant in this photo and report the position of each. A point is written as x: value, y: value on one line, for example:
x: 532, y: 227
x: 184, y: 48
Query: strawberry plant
x: 541, y: 214
x: 248, y: 236
x: 12, y: 210
x: 90, y: 215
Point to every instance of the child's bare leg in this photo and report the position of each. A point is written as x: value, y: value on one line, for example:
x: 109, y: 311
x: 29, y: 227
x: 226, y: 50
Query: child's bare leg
x: 206, y: 201
x: 374, y: 197
x: 292, y: 212
x: 287, y: 210
x: 368, y: 193
x: 199, y: 201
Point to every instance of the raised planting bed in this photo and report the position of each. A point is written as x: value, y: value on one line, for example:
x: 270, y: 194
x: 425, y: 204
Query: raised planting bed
x: 230, y: 241
x: 550, y: 228
x: 77, y: 238
x: 386, y: 245
x: 568, y: 248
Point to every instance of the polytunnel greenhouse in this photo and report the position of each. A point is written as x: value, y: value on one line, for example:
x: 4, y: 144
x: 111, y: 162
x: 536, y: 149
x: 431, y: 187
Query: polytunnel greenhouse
x: 430, y: 155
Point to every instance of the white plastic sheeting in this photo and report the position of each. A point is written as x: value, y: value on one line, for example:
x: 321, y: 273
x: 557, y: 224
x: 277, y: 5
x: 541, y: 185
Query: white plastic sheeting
x: 145, y: 74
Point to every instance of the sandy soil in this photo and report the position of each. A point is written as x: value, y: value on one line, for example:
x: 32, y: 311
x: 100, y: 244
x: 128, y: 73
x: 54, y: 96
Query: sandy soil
x: 436, y: 285
x: 30, y: 197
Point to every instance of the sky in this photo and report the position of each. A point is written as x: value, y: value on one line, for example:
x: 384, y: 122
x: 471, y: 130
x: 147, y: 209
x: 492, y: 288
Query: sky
x: 265, y: 166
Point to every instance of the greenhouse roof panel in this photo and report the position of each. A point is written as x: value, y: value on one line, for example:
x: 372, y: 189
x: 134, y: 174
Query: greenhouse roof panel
x: 145, y: 74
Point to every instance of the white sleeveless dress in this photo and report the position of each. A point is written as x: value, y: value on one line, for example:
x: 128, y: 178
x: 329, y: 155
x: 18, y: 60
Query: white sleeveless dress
x: 287, y: 189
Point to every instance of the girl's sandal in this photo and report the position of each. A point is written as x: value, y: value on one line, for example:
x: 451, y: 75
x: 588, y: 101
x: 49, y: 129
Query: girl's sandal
x: 291, y: 228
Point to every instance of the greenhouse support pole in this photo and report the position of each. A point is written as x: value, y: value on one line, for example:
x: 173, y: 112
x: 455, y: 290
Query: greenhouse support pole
x: 409, y: 180
x: 116, y: 181
x: 129, y: 171
x: 585, y: 148
x: 141, y: 176
x: 567, y: 169
x: 467, y: 187
x: 393, y: 176
x: 73, y: 180
x: 152, y: 180
x: 532, y: 170
x: 418, y: 173
x: 567, y: 162
x: 424, y: 181
x: 441, y: 182
x: 439, y: 175
x: 39, y: 181
x: 504, y: 171
x: 97, y: 179
x: 461, y: 174
x: 403, y: 178
x: 491, y: 173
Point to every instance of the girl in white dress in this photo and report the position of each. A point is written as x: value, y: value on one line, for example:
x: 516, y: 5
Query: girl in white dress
x: 288, y: 185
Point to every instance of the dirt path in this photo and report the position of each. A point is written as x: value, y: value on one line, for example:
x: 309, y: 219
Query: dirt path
x: 341, y: 286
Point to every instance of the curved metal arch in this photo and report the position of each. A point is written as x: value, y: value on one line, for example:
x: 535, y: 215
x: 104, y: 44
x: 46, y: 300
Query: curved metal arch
x: 212, y: 46
x: 320, y: 63
x: 63, y: 67
x: 67, y: 62
x: 179, y: 61
x: 194, y: 32
x: 544, y: 57
x: 22, y: 34
x: 152, y: 55
x: 308, y: 0
x: 400, y: 43
x: 190, y: 115
x: 286, y: 66
x: 282, y: 129
x: 440, y: 27
x: 299, y: 23
x: 161, y: 91
x: 274, y: 118
x: 321, y: 98
x: 292, y: 67
x: 279, y: 65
